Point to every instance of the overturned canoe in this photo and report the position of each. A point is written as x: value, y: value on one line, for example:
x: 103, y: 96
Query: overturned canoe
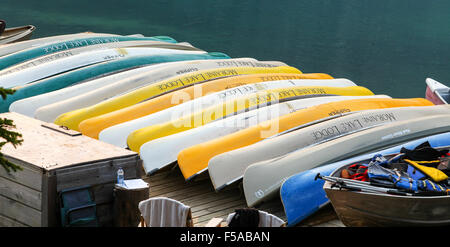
x: 19, y: 46
x: 228, y: 167
x: 93, y: 71
x: 31, y: 53
x: 164, y: 151
x: 51, y: 112
x: 49, y: 69
x: 259, y: 187
x: 92, y: 127
x: 302, y: 195
x: 231, y: 107
x: 74, y: 118
x: 118, y: 134
x: 196, y: 158
x: 59, y: 62
x: 42, y: 107
x: 15, y: 34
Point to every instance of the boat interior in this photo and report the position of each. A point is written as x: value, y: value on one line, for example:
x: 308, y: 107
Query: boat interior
x: 444, y: 94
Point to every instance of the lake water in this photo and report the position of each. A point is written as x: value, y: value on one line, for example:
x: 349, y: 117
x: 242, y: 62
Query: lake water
x: 387, y: 46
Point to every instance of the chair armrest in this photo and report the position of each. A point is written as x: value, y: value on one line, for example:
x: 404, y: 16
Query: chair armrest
x: 69, y: 211
x: 80, y: 207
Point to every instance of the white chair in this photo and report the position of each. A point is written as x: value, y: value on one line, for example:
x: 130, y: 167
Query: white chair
x: 165, y: 212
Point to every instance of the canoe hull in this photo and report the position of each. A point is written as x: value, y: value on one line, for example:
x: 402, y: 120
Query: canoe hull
x: 368, y: 209
x: 358, y: 209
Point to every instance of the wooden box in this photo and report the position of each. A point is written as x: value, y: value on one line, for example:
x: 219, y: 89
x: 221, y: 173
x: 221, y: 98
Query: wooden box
x: 54, y: 159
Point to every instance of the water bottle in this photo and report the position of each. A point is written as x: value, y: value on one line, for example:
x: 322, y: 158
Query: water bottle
x: 120, y: 176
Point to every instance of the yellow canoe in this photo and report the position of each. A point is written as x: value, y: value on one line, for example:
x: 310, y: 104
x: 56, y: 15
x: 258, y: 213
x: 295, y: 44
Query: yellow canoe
x: 74, y: 118
x: 93, y: 126
x: 194, y: 159
x: 263, y: 98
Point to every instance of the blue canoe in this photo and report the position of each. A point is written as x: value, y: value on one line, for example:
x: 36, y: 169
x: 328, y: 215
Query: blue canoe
x: 302, y: 195
x: 97, y: 70
x: 31, y: 53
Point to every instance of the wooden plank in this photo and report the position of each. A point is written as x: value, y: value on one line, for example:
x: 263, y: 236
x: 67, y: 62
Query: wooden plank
x: 324, y: 215
x: 49, y: 207
x: 182, y: 194
x: 61, y: 129
x: 215, y: 205
x: 214, y: 222
x: 20, y: 193
x: 8, y: 222
x: 20, y: 212
x: 217, y: 208
x: 203, y: 199
x: 30, y: 176
x: 105, y: 214
x: 92, y: 174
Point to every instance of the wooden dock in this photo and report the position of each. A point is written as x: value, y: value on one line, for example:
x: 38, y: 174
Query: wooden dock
x: 206, y: 203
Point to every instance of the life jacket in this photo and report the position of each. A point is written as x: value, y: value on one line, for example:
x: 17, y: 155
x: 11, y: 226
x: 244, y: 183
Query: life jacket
x: 356, y: 172
x: 426, y: 170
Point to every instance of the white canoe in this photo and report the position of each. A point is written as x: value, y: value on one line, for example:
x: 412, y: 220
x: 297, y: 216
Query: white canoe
x: 80, y: 60
x: 262, y: 180
x: 28, y: 106
x: 50, y: 112
x: 27, y: 72
x: 161, y: 152
x: 229, y: 167
x: 15, y: 47
x: 117, y: 134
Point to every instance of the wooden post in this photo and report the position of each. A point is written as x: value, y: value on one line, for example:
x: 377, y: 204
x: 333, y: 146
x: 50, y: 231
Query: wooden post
x: 126, y: 211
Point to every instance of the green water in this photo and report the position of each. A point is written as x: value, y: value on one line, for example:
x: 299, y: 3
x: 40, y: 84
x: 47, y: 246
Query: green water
x: 389, y: 46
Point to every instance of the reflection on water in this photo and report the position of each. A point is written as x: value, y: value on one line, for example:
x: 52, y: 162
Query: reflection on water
x: 388, y: 46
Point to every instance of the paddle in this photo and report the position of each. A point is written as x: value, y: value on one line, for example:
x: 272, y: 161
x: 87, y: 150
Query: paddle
x: 356, y: 185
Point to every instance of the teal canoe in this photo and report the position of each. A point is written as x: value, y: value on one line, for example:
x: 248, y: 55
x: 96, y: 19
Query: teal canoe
x: 97, y: 70
x: 31, y: 53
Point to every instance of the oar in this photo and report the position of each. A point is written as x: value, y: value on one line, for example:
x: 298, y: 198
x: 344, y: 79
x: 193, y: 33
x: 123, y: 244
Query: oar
x: 371, y: 187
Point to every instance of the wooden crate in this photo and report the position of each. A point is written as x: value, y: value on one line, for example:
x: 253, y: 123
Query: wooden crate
x: 54, y: 159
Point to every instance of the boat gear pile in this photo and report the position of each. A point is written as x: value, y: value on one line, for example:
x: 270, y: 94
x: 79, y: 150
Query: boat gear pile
x: 265, y: 124
x: 422, y: 171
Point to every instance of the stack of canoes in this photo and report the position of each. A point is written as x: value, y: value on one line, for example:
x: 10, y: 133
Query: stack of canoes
x: 266, y: 124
